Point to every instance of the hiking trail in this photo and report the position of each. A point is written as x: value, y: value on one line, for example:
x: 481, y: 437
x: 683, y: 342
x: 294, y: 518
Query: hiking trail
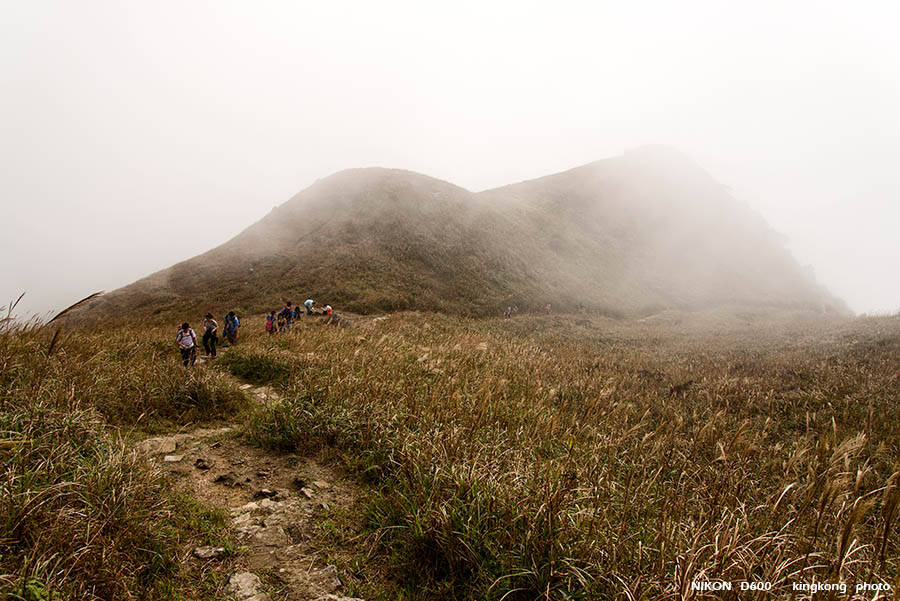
x: 273, y: 501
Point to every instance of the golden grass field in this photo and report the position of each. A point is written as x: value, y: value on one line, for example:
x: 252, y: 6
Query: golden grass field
x: 540, y: 457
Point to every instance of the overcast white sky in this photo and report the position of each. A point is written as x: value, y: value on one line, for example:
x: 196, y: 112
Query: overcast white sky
x: 135, y: 135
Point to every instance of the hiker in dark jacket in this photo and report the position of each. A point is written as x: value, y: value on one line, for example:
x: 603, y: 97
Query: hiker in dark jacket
x: 287, y: 312
x: 232, y: 323
x: 210, y: 335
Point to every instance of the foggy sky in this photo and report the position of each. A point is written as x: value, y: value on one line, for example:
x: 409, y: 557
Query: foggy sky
x: 137, y: 134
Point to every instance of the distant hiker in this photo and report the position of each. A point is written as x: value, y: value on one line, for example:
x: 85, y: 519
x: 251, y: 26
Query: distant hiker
x: 547, y: 308
x: 270, y: 323
x: 187, y: 344
x: 309, y: 304
x: 330, y: 315
x: 280, y: 322
x: 232, y: 323
x: 210, y: 335
x: 287, y: 312
x: 508, y: 313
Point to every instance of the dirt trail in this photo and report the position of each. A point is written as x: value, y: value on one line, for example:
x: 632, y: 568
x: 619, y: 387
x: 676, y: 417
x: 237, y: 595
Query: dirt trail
x: 273, y: 500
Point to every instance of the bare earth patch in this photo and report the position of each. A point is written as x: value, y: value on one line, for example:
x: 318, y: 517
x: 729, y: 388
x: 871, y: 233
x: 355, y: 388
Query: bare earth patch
x: 274, y: 502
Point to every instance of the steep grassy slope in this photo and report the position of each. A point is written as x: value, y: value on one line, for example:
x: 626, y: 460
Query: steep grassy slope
x: 365, y: 239
x: 652, y: 230
x: 628, y: 235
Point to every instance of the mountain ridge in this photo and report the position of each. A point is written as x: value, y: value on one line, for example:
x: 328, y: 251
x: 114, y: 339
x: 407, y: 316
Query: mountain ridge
x: 645, y: 231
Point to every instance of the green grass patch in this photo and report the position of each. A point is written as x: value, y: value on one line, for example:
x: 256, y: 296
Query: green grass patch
x: 256, y: 367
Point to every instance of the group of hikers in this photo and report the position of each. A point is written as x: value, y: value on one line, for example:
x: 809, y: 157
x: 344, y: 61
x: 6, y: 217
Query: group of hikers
x: 282, y: 320
x: 276, y: 322
x: 187, y: 338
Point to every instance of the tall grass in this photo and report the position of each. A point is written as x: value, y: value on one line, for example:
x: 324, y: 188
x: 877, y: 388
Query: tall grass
x: 563, y: 458
x: 80, y: 516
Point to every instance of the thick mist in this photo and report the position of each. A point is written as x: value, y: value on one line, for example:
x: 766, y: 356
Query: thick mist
x: 134, y: 137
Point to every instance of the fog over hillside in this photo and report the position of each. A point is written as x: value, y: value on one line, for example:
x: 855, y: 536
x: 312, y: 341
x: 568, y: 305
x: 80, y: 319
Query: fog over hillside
x: 627, y: 236
x: 134, y: 135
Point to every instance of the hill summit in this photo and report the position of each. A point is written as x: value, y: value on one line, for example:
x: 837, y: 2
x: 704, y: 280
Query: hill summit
x: 630, y: 235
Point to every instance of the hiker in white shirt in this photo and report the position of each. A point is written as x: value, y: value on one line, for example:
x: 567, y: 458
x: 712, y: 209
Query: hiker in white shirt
x: 187, y: 344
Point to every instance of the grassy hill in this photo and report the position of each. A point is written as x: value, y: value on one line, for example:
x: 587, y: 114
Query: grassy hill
x: 541, y: 457
x: 630, y: 235
x: 551, y: 458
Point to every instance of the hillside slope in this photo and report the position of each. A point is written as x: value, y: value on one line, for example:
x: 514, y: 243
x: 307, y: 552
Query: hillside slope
x: 629, y: 235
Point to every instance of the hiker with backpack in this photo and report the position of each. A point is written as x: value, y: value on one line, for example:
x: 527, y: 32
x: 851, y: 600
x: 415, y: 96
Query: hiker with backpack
x: 232, y: 323
x: 187, y: 344
x: 270, y: 323
x: 210, y: 335
x: 309, y: 306
x: 287, y: 312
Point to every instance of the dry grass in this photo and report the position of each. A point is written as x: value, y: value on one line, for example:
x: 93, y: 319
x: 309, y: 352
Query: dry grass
x: 534, y: 458
x: 568, y: 457
x: 80, y: 516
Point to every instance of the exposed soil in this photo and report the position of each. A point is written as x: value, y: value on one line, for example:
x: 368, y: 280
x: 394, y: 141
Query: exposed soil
x: 274, y: 502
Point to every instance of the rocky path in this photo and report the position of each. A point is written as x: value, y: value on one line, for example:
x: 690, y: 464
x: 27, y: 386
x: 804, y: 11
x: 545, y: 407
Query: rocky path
x: 274, y: 501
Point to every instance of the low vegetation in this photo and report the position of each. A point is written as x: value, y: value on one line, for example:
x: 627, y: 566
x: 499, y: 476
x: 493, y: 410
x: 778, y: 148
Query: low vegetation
x: 569, y: 457
x: 81, y: 517
x: 539, y: 457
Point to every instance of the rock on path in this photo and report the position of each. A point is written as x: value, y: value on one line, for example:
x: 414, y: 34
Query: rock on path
x: 245, y: 586
x: 273, y: 511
